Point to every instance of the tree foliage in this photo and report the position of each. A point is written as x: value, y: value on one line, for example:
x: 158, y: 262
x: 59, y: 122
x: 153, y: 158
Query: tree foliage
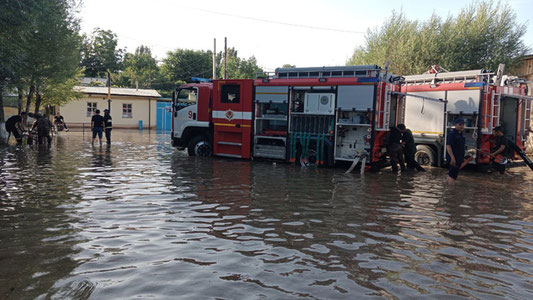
x: 39, y: 43
x: 59, y: 93
x: 183, y: 64
x: 238, y: 68
x: 482, y: 35
x: 100, y: 53
x: 140, y: 69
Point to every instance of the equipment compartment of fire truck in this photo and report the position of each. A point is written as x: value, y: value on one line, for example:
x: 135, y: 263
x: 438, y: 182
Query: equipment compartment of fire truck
x: 309, y: 116
x: 483, y: 99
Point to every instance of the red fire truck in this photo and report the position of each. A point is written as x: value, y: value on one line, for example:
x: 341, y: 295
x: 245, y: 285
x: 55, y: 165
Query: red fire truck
x: 310, y: 116
x: 483, y: 99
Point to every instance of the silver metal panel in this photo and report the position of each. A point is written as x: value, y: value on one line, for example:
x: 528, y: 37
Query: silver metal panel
x: 424, y: 116
x: 267, y: 151
x: 465, y: 101
x: 359, y: 97
x: 275, y: 94
x: 351, y: 142
x: 319, y: 103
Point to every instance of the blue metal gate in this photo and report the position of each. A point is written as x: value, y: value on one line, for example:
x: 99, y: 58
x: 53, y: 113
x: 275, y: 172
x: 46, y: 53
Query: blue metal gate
x: 164, y: 115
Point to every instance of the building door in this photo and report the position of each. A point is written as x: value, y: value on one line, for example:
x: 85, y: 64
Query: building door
x: 164, y: 115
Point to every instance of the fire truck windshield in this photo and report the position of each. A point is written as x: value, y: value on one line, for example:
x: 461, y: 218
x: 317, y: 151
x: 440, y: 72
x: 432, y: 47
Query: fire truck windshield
x: 186, y: 97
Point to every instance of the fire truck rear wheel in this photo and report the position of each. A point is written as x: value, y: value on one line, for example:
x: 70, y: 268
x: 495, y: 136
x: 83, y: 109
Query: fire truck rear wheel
x: 200, y: 146
x: 424, y: 155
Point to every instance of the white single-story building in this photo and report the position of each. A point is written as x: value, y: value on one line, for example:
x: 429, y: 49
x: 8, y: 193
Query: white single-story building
x: 128, y: 107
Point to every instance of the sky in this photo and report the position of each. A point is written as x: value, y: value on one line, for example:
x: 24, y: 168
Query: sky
x: 307, y: 33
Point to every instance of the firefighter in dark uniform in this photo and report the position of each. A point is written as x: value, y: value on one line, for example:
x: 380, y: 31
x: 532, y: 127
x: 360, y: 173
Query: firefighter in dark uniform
x: 394, y: 147
x: 409, y: 148
x: 501, y: 149
x: 455, y: 151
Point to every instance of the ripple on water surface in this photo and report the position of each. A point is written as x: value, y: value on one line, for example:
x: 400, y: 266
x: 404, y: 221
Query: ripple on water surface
x: 140, y: 219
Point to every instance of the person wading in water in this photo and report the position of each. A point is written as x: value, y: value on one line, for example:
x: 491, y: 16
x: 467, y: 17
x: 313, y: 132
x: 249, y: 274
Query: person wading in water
x: 97, y: 125
x: 409, y: 148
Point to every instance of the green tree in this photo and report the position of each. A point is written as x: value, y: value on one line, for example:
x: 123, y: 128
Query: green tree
x: 39, y: 43
x: 183, y: 64
x: 15, y: 24
x: 99, y: 53
x: 54, y: 52
x: 482, y: 35
x: 59, y: 93
x: 239, y: 68
x: 140, y: 68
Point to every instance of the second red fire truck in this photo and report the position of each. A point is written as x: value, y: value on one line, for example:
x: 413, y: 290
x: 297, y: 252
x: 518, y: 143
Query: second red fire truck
x: 483, y: 99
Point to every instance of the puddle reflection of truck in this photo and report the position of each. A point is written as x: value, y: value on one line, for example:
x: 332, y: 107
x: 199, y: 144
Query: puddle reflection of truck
x: 310, y: 116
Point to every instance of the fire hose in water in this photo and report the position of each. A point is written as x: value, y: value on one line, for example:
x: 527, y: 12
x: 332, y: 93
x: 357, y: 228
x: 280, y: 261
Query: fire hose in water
x: 361, y: 156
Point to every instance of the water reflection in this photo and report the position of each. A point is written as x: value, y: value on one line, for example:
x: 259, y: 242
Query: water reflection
x: 139, y: 219
x: 37, y: 239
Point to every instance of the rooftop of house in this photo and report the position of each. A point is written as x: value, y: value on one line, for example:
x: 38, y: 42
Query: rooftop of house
x: 102, y: 90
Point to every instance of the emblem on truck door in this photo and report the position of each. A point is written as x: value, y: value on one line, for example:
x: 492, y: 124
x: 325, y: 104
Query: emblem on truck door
x: 229, y: 114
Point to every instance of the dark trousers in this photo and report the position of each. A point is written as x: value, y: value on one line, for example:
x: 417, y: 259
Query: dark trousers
x: 61, y: 124
x: 396, y: 156
x: 41, y: 135
x: 108, y: 135
x: 498, y: 167
x: 410, y: 160
x: 16, y: 134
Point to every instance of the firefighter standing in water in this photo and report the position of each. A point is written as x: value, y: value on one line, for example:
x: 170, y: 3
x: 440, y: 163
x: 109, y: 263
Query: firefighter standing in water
x: 394, y: 147
x: 108, y: 125
x: 409, y: 148
x: 455, y: 151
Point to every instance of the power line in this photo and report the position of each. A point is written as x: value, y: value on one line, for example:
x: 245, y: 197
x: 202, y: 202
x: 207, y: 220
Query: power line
x: 275, y: 22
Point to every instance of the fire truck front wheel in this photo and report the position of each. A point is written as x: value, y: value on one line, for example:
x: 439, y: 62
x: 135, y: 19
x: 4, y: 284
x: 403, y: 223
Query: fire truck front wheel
x: 424, y: 155
x: 200, y: 146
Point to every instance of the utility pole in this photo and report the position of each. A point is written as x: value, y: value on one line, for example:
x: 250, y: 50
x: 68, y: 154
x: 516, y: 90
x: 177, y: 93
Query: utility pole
x: 225, y: 58
x: 214, y: 59
x: 108, y: 83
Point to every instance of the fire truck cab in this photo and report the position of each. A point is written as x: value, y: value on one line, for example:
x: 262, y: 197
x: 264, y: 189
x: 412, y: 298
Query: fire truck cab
x: 482, y: 98
x: 309, y: 116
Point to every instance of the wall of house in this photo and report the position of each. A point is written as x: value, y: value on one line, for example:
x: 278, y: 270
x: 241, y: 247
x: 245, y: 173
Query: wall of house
x: 145, y: 109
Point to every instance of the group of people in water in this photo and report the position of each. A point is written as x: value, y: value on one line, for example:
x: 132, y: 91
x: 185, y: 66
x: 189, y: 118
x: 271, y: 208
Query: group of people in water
x: 101, y: 124
x: 458, y: 157
x: 43, y: 127
x: 401, y: 148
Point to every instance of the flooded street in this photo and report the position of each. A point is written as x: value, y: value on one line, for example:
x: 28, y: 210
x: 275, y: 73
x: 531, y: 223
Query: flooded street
x: 141, y: 219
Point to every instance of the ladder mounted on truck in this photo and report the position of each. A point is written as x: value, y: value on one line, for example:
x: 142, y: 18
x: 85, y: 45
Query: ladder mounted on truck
x: 449, y: 77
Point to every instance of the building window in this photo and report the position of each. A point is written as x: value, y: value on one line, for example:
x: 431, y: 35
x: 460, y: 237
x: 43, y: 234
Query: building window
x: 126, y: 111
x: 91, y: 107
x: 230, y: 94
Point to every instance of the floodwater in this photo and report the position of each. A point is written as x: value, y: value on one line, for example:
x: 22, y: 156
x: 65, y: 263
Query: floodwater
x: 142, y: 220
